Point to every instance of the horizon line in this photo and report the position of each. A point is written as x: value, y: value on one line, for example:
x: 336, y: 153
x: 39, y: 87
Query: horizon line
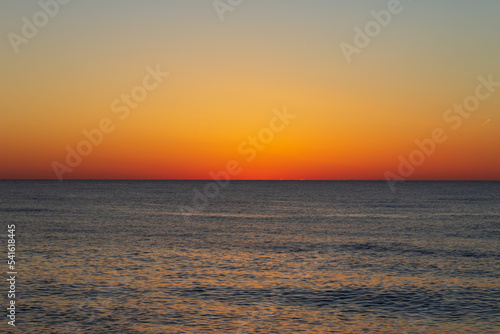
x: 297, y: 180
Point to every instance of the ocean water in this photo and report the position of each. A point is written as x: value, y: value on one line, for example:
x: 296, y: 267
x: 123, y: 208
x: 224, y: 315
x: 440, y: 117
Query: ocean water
x: 258, y: 257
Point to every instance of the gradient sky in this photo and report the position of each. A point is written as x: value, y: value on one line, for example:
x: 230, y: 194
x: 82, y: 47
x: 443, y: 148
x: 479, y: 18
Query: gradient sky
x: 353, y: 120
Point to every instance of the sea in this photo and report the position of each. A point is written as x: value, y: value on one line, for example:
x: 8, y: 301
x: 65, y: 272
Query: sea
x: 253, y: 256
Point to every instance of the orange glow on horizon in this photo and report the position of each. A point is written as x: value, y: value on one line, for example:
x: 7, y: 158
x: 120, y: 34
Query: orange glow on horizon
x: 352, y: 120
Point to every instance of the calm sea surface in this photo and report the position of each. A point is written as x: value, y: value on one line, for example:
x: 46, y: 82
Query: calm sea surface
x: 260, y: 257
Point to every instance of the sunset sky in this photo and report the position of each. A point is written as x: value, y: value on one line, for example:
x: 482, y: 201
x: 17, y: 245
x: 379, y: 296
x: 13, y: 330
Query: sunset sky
x: 352, y: 120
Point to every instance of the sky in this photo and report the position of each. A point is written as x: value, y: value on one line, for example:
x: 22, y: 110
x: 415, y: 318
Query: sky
x: 275, y: 89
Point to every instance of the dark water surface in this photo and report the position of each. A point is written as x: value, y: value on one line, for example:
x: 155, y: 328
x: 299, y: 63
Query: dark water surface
x: 259, y: 257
